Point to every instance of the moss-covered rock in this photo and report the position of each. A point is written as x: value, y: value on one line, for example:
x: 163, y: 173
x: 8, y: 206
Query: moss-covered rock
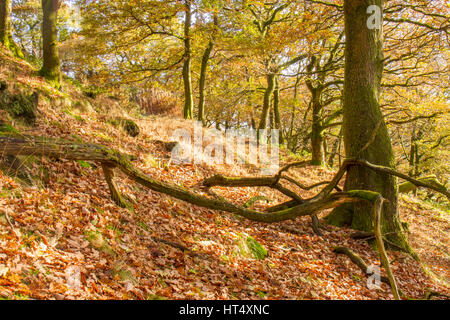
x: 130, y: 127
x: 83, y: 106
x: 21, y: 105
x: 250, y: 248
x: 92, y: 91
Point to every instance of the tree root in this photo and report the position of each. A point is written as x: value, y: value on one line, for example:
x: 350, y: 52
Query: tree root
x: 378, y: 206
x: 356, y: 259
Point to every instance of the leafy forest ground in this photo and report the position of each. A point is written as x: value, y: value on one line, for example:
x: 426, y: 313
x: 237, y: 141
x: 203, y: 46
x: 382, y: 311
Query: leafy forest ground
x: 65, y: 223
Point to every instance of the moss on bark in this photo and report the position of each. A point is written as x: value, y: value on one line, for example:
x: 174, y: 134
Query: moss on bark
x: 365, y: 132
x: 51, y: 64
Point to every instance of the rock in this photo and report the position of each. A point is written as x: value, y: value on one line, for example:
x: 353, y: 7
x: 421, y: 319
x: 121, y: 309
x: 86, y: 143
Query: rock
x: 95, y: 239
x: 131, y: 128
x: 22, y: 106
x: 166, y: 146
x: 83, y: 106
x: 128, y: 125
x: 250, y: 248
x: 59, y: 296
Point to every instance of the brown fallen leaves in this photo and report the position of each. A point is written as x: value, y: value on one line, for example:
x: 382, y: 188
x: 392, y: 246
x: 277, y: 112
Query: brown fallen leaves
x: 74, y: 243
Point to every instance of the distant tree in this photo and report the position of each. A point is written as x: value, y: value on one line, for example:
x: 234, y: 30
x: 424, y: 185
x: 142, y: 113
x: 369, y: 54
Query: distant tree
x: 204, y: 65
x: 188, y: 110
x: 5, y: 25
x: 5, y: 28
x: 51, y: 69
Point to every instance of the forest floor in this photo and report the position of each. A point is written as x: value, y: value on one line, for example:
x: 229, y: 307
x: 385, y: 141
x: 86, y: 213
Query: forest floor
x: 64, y: 238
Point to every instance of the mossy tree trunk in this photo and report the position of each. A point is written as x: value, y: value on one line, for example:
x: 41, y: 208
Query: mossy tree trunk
x: 51, y: 65
x: 316, y: 88
x: 188, y: 110
x: 203, y: 72
x: 334, y: 150
x: 202, y: 82
x: 317, y: 142
x: 412, y: 152
x: 267, y: 99
x: 365, y: 133
x: 5, y: 29
x: 276, y: 110
x: 5, y: 16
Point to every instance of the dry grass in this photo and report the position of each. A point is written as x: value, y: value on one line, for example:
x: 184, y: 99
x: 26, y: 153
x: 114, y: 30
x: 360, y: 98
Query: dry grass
x: 156, y: 101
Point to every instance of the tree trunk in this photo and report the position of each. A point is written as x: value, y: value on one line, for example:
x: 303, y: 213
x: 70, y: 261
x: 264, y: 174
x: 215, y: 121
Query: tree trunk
x: 201, y: 87
x: 188, y: 110
x: 317, y: 149
x: 202, y: 81
x: 267, y: 98
x: 412, y: 152
x: 334, y: 150
x: 51, y: 64
x: 365, y: 132
x: 276, y: 110
x: 5, y: 16
x: 5, y: 29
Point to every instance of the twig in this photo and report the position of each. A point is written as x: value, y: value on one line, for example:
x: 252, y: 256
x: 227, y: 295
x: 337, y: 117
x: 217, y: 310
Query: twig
x: 180, y: 247
x: 10, y: 224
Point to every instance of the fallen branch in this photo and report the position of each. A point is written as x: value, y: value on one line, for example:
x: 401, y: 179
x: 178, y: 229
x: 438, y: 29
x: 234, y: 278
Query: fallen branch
x: 409, y: 186
x: 180, y: 247
x: 417, y: 182
x: 377, y: 201
x: 11, y: 144
x: 10, y: 224
x: 109, y: 158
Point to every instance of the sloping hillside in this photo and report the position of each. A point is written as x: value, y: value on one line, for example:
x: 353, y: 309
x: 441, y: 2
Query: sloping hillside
x: 62, y: 237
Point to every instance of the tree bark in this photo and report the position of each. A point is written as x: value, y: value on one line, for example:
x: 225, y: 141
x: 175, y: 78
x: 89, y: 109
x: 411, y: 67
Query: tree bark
x: 317, y: 146
x: 365, y: 132
x: 203, y: 72
x: 5, y: 29
x: 334, y: 150
x: 202, y: 81
x: 188, y: 110
x: 267, y: 98
x: 51, y: 69
x: 276, y: 110
x: 5, y: 25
